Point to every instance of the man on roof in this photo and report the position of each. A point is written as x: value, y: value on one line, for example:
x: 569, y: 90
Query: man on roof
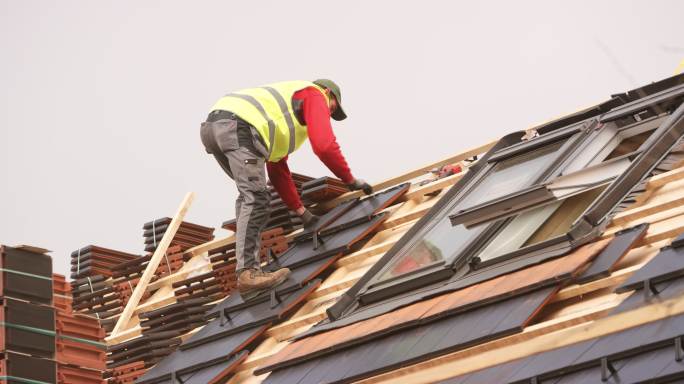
x: 248, y: 129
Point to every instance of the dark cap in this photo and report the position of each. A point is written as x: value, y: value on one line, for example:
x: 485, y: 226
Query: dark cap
x: 329, y: 84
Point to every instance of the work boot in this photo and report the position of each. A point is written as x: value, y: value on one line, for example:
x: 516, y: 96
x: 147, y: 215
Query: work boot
x: 251, y: 282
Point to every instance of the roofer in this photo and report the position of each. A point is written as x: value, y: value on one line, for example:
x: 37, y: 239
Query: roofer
x: 248, y: 128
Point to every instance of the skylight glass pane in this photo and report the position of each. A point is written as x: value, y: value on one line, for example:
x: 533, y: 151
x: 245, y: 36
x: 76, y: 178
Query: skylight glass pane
x: 444, y: 241
x: 539, y: 224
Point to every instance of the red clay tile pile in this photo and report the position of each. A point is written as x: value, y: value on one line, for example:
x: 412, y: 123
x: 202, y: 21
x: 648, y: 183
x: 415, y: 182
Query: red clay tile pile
x: 127, y: 373
x: 80, y: 342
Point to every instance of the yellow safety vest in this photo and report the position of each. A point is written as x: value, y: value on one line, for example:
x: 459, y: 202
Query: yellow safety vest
x: 270, y: 110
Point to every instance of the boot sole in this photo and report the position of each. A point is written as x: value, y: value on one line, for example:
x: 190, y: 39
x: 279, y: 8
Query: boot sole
x: 248, y: 295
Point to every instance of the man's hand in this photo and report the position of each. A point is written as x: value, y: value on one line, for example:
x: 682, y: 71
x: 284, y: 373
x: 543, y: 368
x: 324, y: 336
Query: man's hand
x: 360, y: 184
x: 309, y: 219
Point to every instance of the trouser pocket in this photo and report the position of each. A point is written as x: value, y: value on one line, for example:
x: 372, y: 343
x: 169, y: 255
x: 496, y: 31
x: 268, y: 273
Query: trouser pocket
x: 225, y: 133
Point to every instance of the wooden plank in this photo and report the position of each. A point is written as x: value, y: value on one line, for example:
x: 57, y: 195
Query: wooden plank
x: 656, y: 184
x: 422, y: 190
x: 141, y: 287
x: 611, y: 281
x: 522, y: 345
x: 210, y: 246
x: 664, y: 178
x: 411, y: 175
x: 624, y: 218
x: 196, y: 265
x: 654, y: 220
x: 665, y: 229
x: 403, y: 217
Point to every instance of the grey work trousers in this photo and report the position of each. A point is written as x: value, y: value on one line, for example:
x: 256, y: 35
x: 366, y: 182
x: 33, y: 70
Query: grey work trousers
x: 241, y: 155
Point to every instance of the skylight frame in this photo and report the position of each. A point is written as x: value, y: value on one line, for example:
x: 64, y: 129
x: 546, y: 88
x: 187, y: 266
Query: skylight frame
x: 587, y: 225
x: 570, y: 138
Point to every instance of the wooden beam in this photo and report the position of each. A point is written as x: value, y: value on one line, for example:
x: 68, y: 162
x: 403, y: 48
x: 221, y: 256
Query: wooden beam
x: 210, y: 246
x: 630, y: 215
x: 196, y: 265
x: 578, y: 290
x: 422, y: 190
x: 141, y: 287
x: 664, y: 178
x: 411, y: 175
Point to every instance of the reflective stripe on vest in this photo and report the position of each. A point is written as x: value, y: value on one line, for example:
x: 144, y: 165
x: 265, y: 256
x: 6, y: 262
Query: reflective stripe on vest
x: 269, y: 109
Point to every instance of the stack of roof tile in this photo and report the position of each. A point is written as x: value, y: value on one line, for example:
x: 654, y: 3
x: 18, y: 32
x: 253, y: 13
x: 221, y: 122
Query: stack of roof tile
x: 125, y: 290
x: 171, y: 262
x: 96, y: 296
x: 27, y: 318
x: 221, y: 280
x: 148, y: 349
x: 92, y: 260
x: 322, y: 189
x: 161, y: 332
x: 213, y: 284
x: 180, y: 317
x: 187, y: 236
x: 127, y: 373
x: 61, y: 298
x: 105, y: 297
x: 80, y: 343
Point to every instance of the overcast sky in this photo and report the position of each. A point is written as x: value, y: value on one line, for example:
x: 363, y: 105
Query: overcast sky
x: 101, y: 101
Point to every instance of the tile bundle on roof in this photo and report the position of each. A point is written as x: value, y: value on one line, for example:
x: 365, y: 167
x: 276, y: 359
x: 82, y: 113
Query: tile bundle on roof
x: 105, y: 297
x: 180, y: 317
x: 41, y: 339
x: 27, y: 368
x: 322, y: 189
x: 95, y: 296
x: 187, y: 236
x: 92, y: 260
x: 127, y: 373
x: 80, y: 340
x: 149, y: 349
x: 171, y: 262
x: 27, y: 318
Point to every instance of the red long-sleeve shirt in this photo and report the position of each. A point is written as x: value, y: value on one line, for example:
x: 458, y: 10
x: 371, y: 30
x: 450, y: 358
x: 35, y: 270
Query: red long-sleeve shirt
x: 323, y: 142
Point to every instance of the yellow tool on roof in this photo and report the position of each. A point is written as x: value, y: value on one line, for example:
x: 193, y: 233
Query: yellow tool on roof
x: 680, y: 68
